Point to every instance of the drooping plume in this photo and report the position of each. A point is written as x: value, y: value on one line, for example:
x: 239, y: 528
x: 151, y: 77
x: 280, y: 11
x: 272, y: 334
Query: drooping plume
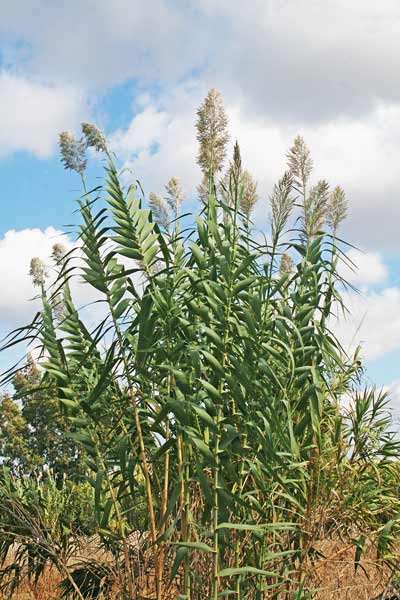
x: 95, y: 138
x: 72, y: 152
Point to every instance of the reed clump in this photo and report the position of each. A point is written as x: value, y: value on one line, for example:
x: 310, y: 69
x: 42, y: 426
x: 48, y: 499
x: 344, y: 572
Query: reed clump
x: 209, y: 400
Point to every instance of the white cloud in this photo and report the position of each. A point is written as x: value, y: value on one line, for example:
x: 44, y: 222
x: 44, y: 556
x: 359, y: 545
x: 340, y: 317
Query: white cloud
x: 16, y: 250
x: 309, y: 58
x: 98, y: 43
x: 363, y: 268
x: 32, y: 114
x: 161, y: 140
x: 144, y: 131
x: 374, y: 322
x: 282, y: 58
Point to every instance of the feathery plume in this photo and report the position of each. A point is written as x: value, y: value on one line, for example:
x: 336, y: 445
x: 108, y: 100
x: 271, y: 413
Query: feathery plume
x: 38, y: 272
x: 282, y: 203
x: 231, y: 178
x: 286, y: 264
x: 299, y: 162
x: 315, y: 209
x: 175, y: 195
x: 249, y: 194
x: 212, y: 133
x: 72, y: 152
x: 236, y: 177
x: 337, y: 208
x: 95, y: 138
x: 58, y: 253
x: 160, y: 209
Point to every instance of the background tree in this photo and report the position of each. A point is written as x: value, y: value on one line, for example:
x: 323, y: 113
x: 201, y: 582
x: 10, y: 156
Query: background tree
x: 14, y: 446
x: 34, y: 435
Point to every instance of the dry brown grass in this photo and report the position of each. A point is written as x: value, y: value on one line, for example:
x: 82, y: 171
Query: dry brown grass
x: 334, y: 577
x: 337, y: 579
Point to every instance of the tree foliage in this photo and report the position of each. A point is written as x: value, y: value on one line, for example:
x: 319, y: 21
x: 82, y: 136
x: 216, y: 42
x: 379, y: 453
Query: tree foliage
x: 34, y: 433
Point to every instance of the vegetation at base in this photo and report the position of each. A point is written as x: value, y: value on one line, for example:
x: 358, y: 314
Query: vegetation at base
x: 221, y: 427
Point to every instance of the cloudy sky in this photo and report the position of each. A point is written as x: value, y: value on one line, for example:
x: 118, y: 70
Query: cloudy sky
x: 327, y: 70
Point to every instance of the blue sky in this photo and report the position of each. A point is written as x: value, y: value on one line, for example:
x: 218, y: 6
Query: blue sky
x: 139, y: 70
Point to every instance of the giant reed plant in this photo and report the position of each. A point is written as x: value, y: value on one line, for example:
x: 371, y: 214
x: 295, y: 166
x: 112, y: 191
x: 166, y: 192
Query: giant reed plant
x: 211, y: 385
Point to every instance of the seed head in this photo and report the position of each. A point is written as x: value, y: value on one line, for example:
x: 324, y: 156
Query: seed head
x: 286, y: 265
x: 337, y: 208
x: 249, y: 194
x: 212, y: 133
x: 72, y: 152
x: 58, y: 253
x: 95, y: 138
x: 299, y: 162
x: 38, y: 271
x: 282, y: 203
x: 160, y: 209
x: 175, y: 195
x: 241, y: 180
x: 315, y: 209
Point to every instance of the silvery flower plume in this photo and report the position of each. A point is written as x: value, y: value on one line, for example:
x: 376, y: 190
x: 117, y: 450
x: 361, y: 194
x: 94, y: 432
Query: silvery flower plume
x: 282, y: 202
x: 315, y: 209
x: 72, y: 152
x: 337, y: 208
x: 230, y: 181
x: 212, y: 133
x: 159, y: 209
x: 38, y: 272
x: 175, y: 195
x: 286, y: 265
x: 249, y: 194
x: 95, y: 138
x: 242, y: 181
x: 58, y: 253
x: 300, y: 163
